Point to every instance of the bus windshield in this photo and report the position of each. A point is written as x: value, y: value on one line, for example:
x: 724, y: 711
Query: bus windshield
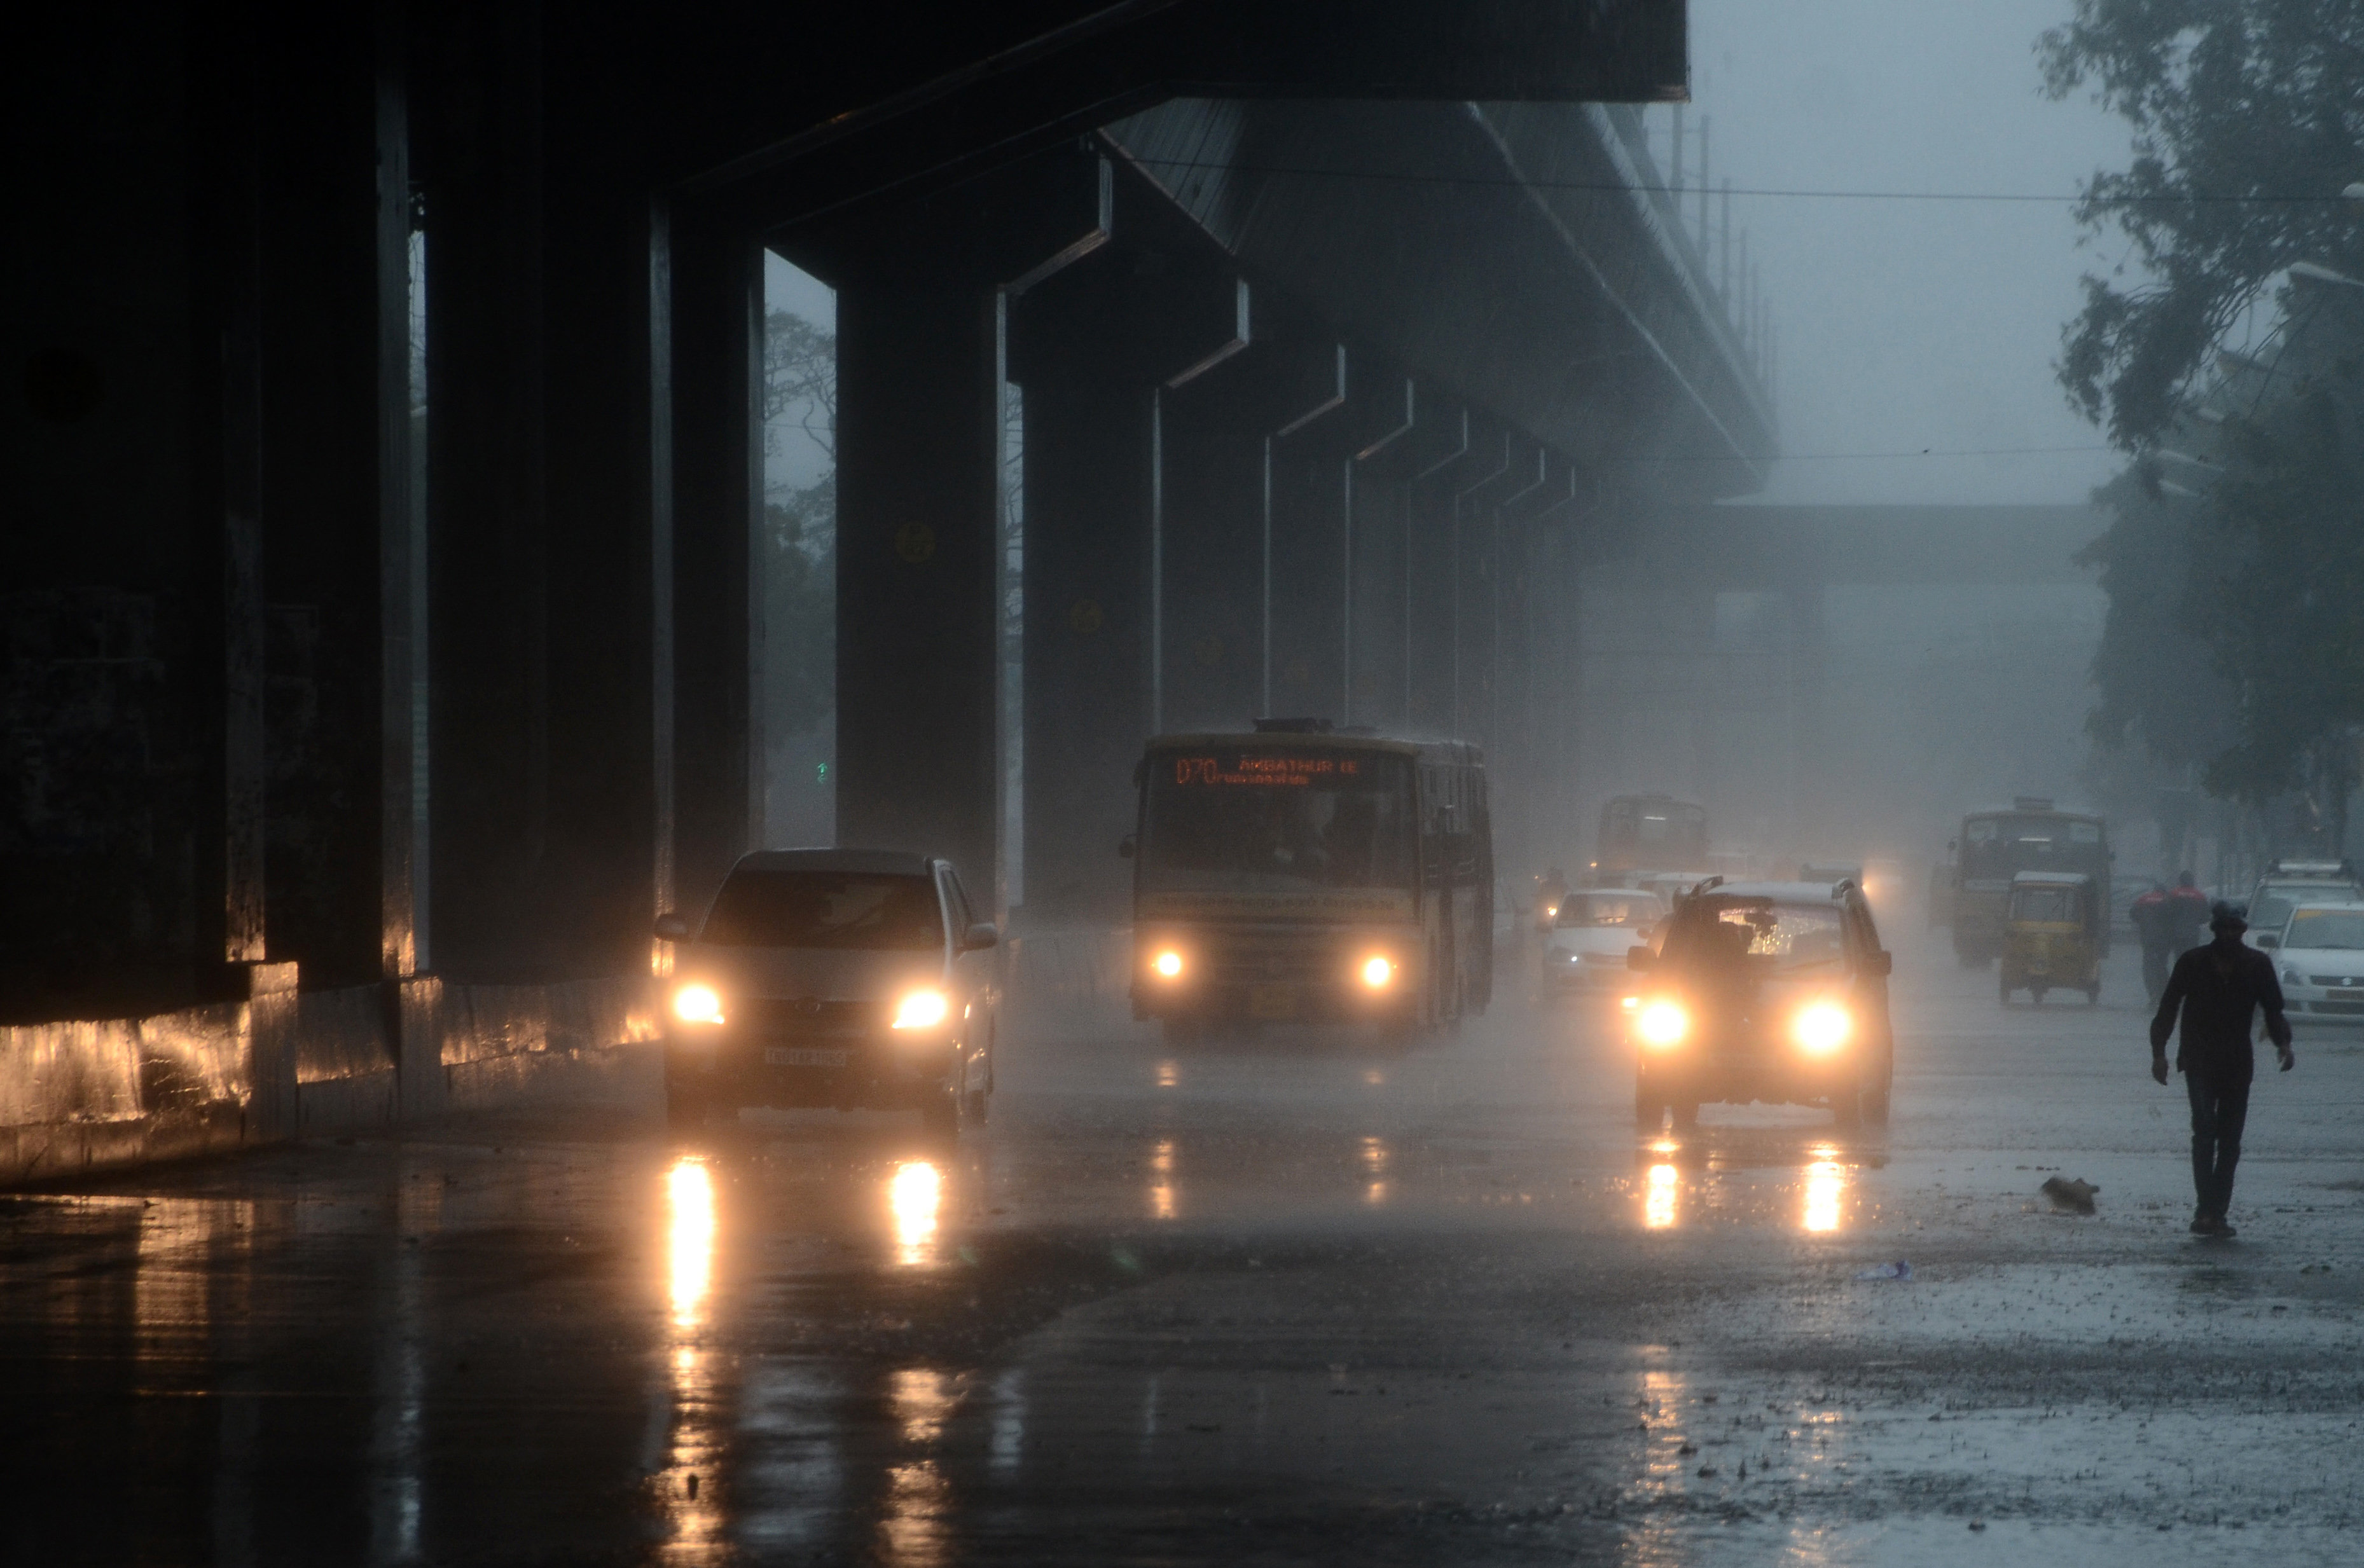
x: 2000, y: 846
x: 1274, y: 821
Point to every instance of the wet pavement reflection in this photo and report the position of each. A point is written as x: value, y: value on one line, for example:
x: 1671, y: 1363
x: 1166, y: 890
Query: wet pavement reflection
x: 1289, y: 1299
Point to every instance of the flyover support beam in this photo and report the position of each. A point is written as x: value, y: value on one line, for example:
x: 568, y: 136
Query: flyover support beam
x: 1101, y: 351
x: 923, y: 294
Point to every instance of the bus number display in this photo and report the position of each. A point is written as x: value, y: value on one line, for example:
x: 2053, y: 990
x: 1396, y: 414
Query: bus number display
x: 1262, y: 769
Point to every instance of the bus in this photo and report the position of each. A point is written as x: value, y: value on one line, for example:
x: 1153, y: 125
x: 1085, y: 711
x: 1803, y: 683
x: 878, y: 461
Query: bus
x: 1649, y: 832
x: 1303, y: 874
x: 1996, y: 845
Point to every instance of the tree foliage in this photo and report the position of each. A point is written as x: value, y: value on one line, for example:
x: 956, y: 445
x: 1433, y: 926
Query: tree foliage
x: 800, y: 531
x: 2247, y: 122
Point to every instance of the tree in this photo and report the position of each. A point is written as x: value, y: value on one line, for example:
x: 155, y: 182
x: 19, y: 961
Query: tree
x: 2247, y: 125
x: 801, y: 529
x: 800, y: 378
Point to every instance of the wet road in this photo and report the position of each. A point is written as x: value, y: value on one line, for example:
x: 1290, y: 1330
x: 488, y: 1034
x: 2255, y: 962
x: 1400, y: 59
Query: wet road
x: 1305, y: 1301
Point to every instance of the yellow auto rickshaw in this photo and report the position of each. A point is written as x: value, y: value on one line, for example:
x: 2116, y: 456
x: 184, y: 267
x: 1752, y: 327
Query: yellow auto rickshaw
x: 2052, y: 935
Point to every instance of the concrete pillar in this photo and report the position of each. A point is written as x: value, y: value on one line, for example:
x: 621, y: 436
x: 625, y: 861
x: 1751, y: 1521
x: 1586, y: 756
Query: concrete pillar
x: 1234, y: 458
x: 1099, y: 350
x: 1215, y: 655
x: 716, y: 339
x: 481, y: 166
x: 229, y: 637
x: 337, y: 532
x: 921, y: 308
x: 1378, y: 560
x: 605, y: 866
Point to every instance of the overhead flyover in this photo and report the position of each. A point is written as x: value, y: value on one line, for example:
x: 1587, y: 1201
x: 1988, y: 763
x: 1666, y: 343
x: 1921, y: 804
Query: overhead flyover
x: 388, y: 598
x: 1522, y: 254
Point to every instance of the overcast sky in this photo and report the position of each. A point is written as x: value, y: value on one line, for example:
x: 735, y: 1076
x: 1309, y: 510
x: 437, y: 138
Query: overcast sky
x: 1908, y: 325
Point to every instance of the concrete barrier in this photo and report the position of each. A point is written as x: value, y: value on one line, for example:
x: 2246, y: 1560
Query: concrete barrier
x: 279, y: 1063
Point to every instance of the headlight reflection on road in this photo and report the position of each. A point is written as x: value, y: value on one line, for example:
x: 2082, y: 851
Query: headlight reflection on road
x: 915, y: 1196
x: 689, y: 1219
x: 689, y: 1489
x: 1660, y: 1199
x: 1825, y: 1186
x: 1160, y: 1190
x: 912, y: 1534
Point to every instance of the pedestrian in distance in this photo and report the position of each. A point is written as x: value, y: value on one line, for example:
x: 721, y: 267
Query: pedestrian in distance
x: 2219, y: 989
x: 2168, y: 923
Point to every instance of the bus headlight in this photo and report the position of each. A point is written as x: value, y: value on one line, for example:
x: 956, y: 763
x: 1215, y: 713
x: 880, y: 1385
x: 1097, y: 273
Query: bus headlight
x: 1378, y: 972
x: 698, y: 1004
x: 1167, y: 965
x: 920, y: 1010
x: 1662, y: 1025
x: 1821, y: 1028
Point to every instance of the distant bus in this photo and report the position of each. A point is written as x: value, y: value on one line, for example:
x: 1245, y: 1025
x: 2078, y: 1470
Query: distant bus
x: 1649, y: 832
x: 1297, y: 874
x: 1996, y: 846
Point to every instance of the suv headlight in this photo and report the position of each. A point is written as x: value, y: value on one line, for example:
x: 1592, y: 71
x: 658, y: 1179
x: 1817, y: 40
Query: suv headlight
x: 1662, y: 1025
x: 698, y: 1004
x: 921, y: 1010
x: 1821, y: 1028
x: 2291, y: 977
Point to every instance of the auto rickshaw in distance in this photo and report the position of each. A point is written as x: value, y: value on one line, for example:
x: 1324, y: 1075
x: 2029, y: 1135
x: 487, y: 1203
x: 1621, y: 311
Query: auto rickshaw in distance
x: 2052, y: 935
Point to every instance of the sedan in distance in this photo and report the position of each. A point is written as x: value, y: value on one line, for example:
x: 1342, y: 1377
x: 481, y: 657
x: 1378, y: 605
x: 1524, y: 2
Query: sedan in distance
x: 1584, y: 948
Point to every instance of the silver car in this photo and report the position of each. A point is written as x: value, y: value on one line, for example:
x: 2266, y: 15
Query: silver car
x: 851, y: 978
x: 2319, y: 954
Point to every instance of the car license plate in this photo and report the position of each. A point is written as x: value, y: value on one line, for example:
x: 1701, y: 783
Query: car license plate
x: 799, y: 1056
x: 1272, y: 1001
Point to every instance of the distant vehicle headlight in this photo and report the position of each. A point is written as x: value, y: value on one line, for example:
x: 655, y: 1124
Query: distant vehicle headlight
x: 1662, y: 1025
x: 921, y: 1010
x: 698, y: 1004
x: 1821, y: 1028
x: 1378, y: 972
x: 1168, y: 965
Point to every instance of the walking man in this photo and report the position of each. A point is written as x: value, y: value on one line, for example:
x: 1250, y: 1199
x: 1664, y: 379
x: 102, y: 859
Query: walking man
x: 2219, y: 989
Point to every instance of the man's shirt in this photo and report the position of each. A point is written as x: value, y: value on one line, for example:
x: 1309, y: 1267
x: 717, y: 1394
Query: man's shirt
x: 2219, y: 989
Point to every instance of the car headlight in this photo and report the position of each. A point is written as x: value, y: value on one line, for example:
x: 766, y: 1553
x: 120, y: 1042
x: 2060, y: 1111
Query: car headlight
x: 1821, y: 1028
x: 921, y: 1010
x: 698, y: 1004
x: 1167, y: 965
x: 1662, y: 1025
x: 2291, y: 977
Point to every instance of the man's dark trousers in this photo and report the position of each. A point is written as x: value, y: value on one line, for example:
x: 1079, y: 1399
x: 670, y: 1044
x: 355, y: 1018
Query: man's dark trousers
x: 2220, y: 1106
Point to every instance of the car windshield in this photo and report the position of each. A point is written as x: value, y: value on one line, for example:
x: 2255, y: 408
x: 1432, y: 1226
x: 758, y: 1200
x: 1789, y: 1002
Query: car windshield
x: 1579, y: 910
x: 2325, y: 928
x: 1781, y: 936
x: 863, y: 911
x: 2053, y: 903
